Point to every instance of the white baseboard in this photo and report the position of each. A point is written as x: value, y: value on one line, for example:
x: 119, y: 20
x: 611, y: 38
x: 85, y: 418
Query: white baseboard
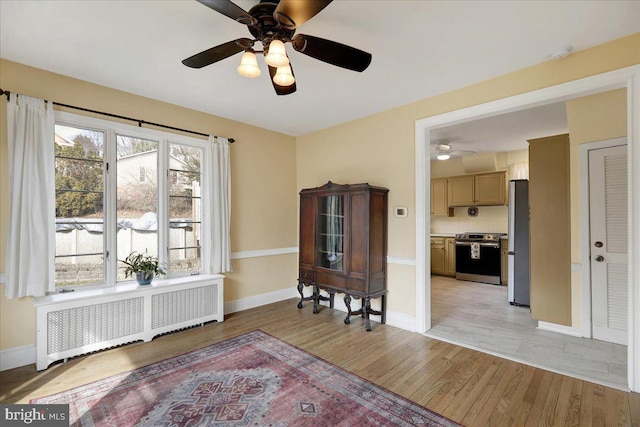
x: 17, y: 356
x: 560, y: 329
x: 258, y: 300
x: 394, y: 318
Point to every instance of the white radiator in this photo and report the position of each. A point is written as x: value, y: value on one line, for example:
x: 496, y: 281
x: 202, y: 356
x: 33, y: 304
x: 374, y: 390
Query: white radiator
x: 70, y: 324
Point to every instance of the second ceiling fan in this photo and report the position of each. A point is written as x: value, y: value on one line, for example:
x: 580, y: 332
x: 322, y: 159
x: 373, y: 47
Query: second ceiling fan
x: 273, y: 23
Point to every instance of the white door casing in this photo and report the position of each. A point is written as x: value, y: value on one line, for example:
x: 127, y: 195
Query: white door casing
x: 608, y: 243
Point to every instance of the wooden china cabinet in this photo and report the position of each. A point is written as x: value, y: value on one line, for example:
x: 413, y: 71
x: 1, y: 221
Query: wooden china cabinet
x: 343, y: 246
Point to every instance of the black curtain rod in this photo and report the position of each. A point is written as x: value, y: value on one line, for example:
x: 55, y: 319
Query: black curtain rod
x: 140, y: 122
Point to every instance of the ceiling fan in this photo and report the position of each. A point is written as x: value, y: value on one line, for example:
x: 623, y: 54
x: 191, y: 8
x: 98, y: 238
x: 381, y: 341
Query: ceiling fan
x: 273, y: 23
x: 441, y: 149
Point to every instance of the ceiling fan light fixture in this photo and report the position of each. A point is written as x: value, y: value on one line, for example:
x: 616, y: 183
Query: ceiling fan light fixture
x: 284, y: 76
x: 249, y: 65
x: 277, y: 55
x: 443, y: 157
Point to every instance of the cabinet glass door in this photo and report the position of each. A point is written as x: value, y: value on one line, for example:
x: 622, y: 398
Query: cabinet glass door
x: 331, y: 232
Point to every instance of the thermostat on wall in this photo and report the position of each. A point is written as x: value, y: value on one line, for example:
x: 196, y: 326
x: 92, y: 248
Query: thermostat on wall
x: 401, y: 211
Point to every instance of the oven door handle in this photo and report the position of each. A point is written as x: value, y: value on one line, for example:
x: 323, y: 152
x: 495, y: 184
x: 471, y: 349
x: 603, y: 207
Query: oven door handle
x: 483, y: 245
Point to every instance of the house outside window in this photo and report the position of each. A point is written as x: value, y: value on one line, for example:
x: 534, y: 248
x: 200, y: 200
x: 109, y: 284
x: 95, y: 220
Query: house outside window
x: 121, y: 189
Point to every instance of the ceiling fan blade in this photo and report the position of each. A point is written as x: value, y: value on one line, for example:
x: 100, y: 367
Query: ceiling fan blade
x: 332, y: 52
x: 216, y: 53
x: 293, y: 13
x: 231, y: 10
x: 282, y: 90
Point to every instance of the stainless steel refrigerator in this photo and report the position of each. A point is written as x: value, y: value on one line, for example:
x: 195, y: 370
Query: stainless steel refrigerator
x: 518, y: 256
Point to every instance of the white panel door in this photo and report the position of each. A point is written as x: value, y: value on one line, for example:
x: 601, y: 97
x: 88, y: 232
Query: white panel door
x: 608, y: 242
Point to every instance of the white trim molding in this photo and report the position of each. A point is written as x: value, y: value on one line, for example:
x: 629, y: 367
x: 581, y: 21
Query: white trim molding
x: 264, y: 252
x: 559, y: 329
x: 628, y: 78
x: 400, y: 260
x: 17, y: 356
x: 3, y: 278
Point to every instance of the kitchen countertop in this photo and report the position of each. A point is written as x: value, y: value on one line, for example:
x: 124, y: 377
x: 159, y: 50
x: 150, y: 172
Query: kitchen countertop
x: 443, y: 235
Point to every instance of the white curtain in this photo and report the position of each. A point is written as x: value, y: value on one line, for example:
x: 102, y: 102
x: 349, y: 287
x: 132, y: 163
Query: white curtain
x: 29, y: 260
x: 220, y: 184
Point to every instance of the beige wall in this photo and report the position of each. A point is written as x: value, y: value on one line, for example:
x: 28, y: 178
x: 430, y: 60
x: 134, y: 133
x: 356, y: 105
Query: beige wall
x: 591, y: 118
x: 263, y: 175
x: 380, y: 148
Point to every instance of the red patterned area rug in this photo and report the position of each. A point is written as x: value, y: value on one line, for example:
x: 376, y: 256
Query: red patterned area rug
x: 251, y: 380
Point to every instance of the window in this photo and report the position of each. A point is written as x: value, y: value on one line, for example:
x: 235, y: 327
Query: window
x: 121, y: 189
x: 79, y: 160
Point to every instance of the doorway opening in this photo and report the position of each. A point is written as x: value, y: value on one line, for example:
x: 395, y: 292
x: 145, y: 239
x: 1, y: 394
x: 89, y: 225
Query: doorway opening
x: 628, y: 78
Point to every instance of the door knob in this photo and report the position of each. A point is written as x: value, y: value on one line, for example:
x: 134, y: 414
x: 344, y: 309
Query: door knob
x: 598, y: 244
x: 599, y: 258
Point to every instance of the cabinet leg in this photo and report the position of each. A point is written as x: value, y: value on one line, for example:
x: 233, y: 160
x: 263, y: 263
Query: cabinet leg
x: 347, y: 302
x: 331, y: 295
x: 367, y: 310
x: 300, y: 288
x: 384, y: 309
x: 316, y: 299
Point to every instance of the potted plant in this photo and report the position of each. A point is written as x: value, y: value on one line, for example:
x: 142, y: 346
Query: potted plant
x: 145, y: 267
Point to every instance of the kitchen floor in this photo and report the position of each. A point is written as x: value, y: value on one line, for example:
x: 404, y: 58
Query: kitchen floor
x: 478, y: 316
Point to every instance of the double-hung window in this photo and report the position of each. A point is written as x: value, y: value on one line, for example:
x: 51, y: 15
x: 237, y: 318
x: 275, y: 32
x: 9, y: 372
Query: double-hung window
x: 123, y: 189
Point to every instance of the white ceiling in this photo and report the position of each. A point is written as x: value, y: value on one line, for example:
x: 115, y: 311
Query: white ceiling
x: 505, y: 132
x: 419, y: 48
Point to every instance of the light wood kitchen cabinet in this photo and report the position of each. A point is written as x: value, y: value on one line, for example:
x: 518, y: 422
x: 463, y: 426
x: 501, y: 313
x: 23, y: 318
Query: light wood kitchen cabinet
x: 491, y: 188
x: 439, y: 201
x: 450, y: 256
x: 550, y: 225
x: 443, y: 256
x: 487, y: 189
x: 437, y: 256
x: 504, y: 255
x: 460, y: 190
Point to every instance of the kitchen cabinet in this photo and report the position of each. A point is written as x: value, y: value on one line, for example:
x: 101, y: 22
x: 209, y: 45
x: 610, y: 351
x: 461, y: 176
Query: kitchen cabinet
x: 343, y: 246
x: 439, y: 201
x: 504, y: 261
x: 450, y: 256
x: 486, y: 189
x: 443, y: 256
x: 437, y: 256
x: 550, y: 225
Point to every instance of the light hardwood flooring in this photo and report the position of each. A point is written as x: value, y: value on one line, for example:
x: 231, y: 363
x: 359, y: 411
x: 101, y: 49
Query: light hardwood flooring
x: 470, y: 387
x: 478, y: 315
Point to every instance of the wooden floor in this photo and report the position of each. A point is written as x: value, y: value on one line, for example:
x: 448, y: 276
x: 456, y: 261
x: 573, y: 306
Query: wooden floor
x: 478, y: 315
x: 470, y: 387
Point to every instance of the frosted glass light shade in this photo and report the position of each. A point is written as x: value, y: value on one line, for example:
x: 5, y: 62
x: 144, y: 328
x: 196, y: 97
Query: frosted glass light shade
x: 249, y: 65
x: 277, y: 56
x: 443, y: 157
x: 284, y: 76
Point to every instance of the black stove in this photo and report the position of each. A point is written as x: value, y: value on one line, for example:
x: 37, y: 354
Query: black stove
x: 478, y: 257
